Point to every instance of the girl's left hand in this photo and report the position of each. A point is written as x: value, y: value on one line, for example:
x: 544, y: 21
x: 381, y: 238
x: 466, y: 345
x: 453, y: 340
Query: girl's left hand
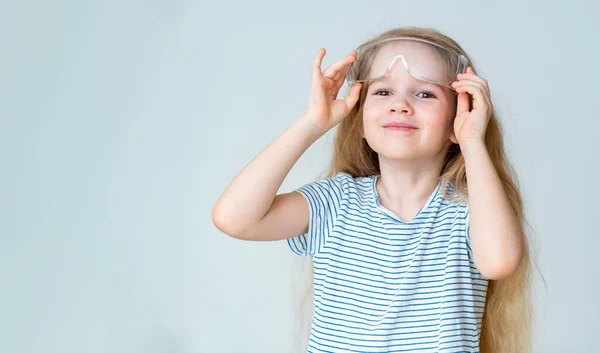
x: 471, y: 124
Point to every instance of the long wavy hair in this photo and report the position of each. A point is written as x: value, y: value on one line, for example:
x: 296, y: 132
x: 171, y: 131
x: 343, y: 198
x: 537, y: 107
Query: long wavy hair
x: 508, y: 313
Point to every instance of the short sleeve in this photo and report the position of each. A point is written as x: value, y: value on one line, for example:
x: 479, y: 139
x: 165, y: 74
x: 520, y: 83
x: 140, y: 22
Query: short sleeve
x: 325, y: 199
x: 468, y: 231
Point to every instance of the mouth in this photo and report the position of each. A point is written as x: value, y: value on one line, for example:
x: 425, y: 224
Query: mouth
x: 399, y: 124
x: 400, y: 128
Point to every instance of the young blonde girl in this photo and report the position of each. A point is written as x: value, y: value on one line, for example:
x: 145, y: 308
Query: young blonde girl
x: 417, y: 233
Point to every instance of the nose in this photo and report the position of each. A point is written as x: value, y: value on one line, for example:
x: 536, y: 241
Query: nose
x: 401, y: 105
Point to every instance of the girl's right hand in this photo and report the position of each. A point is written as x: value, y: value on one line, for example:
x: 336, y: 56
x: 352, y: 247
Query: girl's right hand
x: 324, y: 110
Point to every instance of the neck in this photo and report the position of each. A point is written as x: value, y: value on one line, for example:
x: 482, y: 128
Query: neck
x: 408, y: 183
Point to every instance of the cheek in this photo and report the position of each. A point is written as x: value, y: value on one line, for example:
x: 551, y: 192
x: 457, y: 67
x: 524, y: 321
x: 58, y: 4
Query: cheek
x: 438, y: 129
x: 371, y: 129
x: 440, y: 120
x: 377, y: 103
x: 370, y: 109
x: 442, y: 114
x: 369, y: 125
x: 370, y: 116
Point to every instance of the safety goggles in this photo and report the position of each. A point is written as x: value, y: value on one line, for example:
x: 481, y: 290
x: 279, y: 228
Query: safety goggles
x: 422, y: 59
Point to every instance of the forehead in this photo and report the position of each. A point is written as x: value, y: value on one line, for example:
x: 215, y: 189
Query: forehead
x: 421, y: 57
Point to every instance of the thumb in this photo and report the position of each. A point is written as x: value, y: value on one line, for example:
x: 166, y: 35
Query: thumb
x: 462, y: 103
x: 353, y: 96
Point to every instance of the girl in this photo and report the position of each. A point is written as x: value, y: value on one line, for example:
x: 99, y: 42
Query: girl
x: 417, y: 233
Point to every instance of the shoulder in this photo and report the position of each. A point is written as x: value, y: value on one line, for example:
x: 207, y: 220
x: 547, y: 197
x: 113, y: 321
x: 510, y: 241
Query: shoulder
x: 342, y: 185
x: 341, y: 180
x: 355, y: 184
x: 450, y: 204
x: 451, y: 195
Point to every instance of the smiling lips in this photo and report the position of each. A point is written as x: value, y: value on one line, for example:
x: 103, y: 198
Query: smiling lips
x: 400, y: 126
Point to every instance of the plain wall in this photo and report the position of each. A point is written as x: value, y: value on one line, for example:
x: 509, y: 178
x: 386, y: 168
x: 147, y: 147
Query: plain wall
x: 122, y: 122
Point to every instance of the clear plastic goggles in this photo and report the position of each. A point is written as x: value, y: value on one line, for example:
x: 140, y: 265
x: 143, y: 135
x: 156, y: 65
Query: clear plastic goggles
x: 422, y: 59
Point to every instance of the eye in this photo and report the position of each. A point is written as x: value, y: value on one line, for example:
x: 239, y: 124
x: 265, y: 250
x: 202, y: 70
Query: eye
x: 380, y: 91
x: 429, y: 93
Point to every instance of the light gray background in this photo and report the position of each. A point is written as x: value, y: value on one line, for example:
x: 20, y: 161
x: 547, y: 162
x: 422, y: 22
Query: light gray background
x: 123, y: 121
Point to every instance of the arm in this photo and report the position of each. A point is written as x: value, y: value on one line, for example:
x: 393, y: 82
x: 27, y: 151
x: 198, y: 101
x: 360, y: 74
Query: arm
x: 249, y: 208
x: 248, y: 198
x: 496, y: 235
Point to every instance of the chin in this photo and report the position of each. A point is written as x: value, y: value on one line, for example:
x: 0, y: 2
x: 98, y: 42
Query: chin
x: 398, y: 154
x: 401, y: 157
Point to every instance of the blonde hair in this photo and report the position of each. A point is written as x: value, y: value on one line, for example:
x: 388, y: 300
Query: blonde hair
x: 508, y: 314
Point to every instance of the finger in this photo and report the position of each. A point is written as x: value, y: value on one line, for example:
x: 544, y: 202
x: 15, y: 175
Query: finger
x: 339, y: 65
x: 470, y: 75
x: 473, y: 78
x: 479, y: 100
x: 479, y: 84
x: 462, y: 104
x: 353, y: 96
x: 339, y: 69
x: 474, y: 88
x: 469, y: 81
x: 316, y: 66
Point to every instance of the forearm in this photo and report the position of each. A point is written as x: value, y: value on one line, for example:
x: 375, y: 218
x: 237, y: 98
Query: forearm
x: 495, y: 230
x: 250, y: 195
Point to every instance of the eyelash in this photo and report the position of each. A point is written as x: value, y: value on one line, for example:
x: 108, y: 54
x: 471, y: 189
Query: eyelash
x: 385, y: 90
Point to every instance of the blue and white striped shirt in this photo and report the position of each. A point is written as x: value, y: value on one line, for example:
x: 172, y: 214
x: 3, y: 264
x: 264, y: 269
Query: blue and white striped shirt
x: 385, y: 285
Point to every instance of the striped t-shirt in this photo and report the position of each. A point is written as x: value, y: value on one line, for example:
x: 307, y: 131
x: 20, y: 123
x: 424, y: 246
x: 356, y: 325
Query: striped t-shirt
x: 385, y: 285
